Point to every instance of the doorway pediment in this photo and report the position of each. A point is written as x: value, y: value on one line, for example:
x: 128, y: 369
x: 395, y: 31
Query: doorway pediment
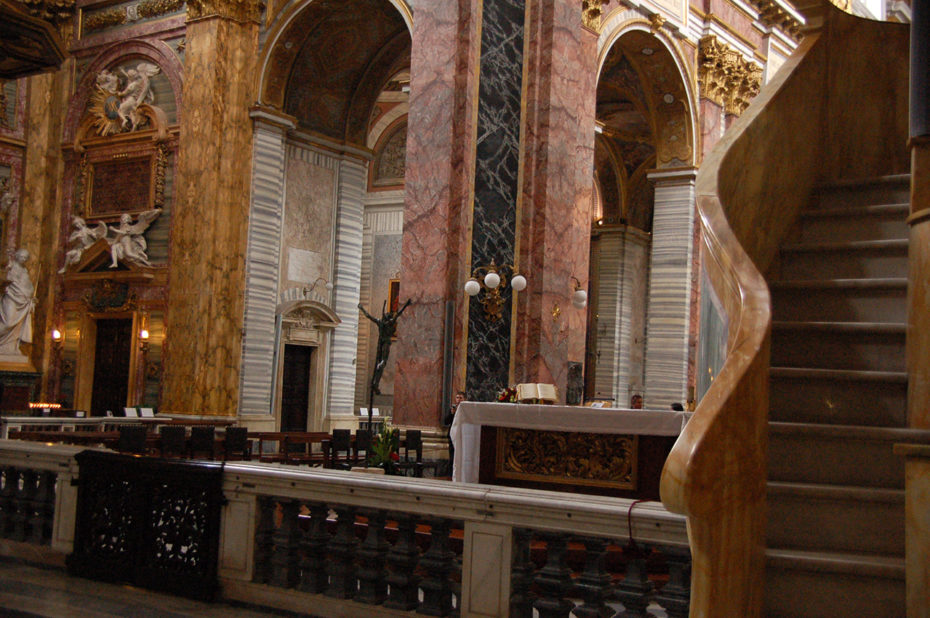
x: 95, y: 265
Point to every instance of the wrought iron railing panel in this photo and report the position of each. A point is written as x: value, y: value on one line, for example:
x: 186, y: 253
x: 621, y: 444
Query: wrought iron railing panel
x: 150, y: 522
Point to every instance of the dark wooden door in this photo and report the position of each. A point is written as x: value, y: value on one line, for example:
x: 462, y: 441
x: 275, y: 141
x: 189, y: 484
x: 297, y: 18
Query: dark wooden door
x: 111, y: 366
x: 295, y: 387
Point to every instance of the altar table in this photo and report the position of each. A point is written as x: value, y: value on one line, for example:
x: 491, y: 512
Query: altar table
x: 470, y: 416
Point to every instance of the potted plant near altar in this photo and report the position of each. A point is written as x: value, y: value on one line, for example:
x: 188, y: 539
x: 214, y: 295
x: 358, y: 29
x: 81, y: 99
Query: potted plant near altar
x: 384, y: 449
x: 507, y: 395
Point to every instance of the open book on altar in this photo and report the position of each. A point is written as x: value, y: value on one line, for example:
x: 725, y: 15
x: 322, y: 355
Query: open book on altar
x: 537, y: 393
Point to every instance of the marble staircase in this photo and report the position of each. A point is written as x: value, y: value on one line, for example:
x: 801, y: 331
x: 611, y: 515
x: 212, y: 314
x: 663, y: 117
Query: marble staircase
x: 838, y: 404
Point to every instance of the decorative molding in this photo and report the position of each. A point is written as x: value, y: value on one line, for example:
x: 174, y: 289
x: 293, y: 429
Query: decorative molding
x: 236, y: 10
x: 777, y: 15
x: 108, y: 295
x: 57, y: 11
x: 656, y: 21
x: 591, y: 14
x: 725, y: 77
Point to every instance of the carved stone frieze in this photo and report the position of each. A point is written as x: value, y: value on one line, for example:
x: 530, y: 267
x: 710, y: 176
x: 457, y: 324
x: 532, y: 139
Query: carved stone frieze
x: 128, y: 13
x: 725, y: 77
x: 591, y: 14
x: 57, y: 11
x: 604, y: 460
x: 237, y: 10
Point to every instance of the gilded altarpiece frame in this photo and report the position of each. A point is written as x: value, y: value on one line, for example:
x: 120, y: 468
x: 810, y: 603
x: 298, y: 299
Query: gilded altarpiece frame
x: 567, y: 458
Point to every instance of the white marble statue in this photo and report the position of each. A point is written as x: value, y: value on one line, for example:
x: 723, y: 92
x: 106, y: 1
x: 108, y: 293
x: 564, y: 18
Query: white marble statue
x: 16, y: 306
x: 6, y: 195
x: 84, y: 237
x: 135, y: 93
x: 127, y: 243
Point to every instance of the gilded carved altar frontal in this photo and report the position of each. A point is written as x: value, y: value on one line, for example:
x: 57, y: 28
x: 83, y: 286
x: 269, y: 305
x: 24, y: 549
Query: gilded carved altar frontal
x: 567, y: 458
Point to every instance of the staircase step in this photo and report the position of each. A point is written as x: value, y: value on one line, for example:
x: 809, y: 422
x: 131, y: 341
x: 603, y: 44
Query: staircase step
x: 872, y: 222
x: 839, y: 454
x: 844, y: 260
x: 840, y: 300
x: 838, y: 397
x: 840, y: 345
x: 810, y: 584
x: 836, y: 518
x: 864, y: 191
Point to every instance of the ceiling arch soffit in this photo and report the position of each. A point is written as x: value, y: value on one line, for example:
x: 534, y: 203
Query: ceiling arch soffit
x: 613, y: 176
x: 389, y: 60
x: 156, y: 52
x: 668, y: 84
x: 318, y: 52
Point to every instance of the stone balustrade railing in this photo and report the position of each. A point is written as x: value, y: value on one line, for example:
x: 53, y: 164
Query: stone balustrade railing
x: 331, y: 542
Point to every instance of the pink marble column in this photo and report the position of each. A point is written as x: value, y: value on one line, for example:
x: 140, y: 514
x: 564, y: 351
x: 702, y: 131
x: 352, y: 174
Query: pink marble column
x: 437, y: 212
x: 555, y: 222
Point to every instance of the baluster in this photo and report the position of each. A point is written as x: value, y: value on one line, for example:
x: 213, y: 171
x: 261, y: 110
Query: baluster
x: 43, y: 509
x: 263, y: 541
x: 402, y: 559
x: 286, y: 543
x: 456, y: 577
x: 7, y: 500
x: 23, y: 504
x: 436, y: 563
x: 521, y: 575
x: 554, y: 580
x: 342, y: 548
x: 635, y: 590
x: 675, y: 596
x: 595, y: 583
x: 313, y: 576
x: 372, y: 582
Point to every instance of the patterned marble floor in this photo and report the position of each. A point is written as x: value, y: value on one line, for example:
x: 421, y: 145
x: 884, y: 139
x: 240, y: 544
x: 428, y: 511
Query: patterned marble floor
x: 30, y: 590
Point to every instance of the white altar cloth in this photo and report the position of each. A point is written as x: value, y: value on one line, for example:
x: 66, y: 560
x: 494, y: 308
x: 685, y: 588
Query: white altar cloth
x: 470, y: 416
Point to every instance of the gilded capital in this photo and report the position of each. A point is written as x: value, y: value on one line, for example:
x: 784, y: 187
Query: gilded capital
x: 591, y: 14
x: 725, y: 77
x: 236, y: 10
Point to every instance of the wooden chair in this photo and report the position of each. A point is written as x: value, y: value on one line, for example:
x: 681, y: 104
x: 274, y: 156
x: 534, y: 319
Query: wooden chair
x: 413, y: 441
x: 203, y: 442
x: 173, y: 441
x: 362, y: 445
x: 237, y: 446
x: 131, y: 439
x: 340, y: 449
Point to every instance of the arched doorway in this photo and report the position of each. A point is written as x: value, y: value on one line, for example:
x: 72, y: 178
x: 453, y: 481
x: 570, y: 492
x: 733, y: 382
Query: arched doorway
x: 644, y: 127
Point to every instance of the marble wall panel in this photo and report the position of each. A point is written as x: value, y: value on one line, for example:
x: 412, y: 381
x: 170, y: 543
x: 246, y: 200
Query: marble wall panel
x: 497, y: 165
x: 308, y: 220
x: 444, y: 57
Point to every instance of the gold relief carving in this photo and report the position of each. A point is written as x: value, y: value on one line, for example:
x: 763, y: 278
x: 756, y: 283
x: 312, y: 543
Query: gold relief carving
x: 237, y: 10
x: 591, y: 14
x: 80, y: 186
x: 3, y: 104
x: 725, y: 77
x: 656, y: 22
x: 154, y: 8
x: 772, y: 14
x: 51, y: 10
x: 161, y: 165
x: 569, y: 458
x: 104, y: 19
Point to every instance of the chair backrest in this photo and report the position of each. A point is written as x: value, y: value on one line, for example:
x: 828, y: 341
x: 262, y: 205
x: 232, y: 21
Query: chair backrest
x: 342, y: 441
x: 237, y: 441
x: 202, y: 438
x: 173, y: 440
x: 131, y: 439
x: 413, y: 441
x: 362, y: 440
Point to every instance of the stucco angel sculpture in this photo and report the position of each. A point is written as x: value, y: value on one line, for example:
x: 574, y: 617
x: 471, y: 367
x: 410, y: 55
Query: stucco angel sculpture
x: 84, y: 236
x: 127, y: 243
x: 16, y: 306
x: 135, y: 93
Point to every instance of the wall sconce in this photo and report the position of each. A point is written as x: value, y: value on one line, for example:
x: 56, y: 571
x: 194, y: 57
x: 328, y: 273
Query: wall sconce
x: 579, y: 296
x: 57, y: 337
x: 144, y: 339
x: 308, y: 289
x: 493, y: 279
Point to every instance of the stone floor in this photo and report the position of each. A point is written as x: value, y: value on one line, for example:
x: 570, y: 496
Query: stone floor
x: 30, y: 590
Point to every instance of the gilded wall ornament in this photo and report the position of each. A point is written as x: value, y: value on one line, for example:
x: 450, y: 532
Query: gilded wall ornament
x: 725, y: 77
x: 120, y: 105
x: 773, y: 14
x: 109, y: 295
x: 51, y: 10
x: 3, y: 104
x: 591, y: 14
